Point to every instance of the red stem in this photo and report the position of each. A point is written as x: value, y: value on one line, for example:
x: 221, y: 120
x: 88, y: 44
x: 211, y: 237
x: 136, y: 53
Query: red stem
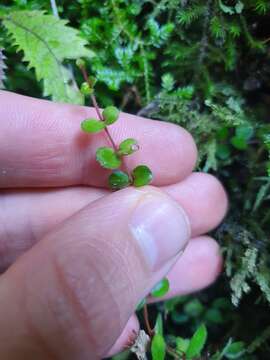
x: 150, y: 331
x: 95, y: 104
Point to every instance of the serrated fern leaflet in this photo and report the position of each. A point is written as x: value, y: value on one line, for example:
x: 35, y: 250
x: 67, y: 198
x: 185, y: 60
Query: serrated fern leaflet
x: 46, y: 43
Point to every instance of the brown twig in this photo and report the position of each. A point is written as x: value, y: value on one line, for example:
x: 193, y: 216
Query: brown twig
x: 172, y: 352
x: 150, y: 331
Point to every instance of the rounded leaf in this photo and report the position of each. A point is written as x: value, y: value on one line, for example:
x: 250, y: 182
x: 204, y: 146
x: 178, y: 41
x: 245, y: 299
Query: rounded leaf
x: 107, y: 158
x: 128, y: 146
x: 244, y: 131
x: 223, y: 151
x: 92, y: 126
x: 86, y: 89
x: 223, y: 133
x: 239, y: 143
x: 142, y: 175
x: 235, y: 350
x: 110, y: 115
x: 161, y: 288
x: 80, y: 63
x: 118, y: 180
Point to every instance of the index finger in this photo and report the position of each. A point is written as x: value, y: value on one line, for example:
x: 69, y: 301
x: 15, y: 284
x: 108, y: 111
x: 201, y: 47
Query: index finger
x: 41, y: 145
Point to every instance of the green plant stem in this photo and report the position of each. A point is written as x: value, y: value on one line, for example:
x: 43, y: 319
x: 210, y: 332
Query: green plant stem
x: 146, y: 74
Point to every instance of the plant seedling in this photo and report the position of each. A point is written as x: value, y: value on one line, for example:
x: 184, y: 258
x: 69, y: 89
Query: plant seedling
x: 112, y: 158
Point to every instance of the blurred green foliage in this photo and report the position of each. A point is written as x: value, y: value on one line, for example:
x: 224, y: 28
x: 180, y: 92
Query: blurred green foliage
x: 204, y: 65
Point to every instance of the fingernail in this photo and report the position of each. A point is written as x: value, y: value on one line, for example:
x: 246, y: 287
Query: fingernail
x: 161, y: 229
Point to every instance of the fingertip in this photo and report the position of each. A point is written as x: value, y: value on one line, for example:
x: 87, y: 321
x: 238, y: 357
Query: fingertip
x: 203, y: 198
x: 127, y: 338
x: 198, y: 267
x: 182, y: 151
x: 212, y: 200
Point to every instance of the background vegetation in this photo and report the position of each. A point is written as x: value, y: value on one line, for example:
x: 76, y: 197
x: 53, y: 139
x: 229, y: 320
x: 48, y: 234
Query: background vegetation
x: 204, y: 65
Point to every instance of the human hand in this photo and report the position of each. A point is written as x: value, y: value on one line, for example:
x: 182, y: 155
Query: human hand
x: 77, y: 258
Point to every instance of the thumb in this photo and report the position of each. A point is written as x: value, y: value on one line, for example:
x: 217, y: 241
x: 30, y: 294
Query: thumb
x: 72, y: 294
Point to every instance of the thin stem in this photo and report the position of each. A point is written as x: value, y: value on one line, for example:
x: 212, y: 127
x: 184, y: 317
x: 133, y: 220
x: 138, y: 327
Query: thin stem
x: 54, y: 9
x: 150, y: 331
x: 172, y: 352
x: 111, y: 139
x: 93, y: 98
x: 94, y: 101
x: 146, y: 74
x: 95, y: 104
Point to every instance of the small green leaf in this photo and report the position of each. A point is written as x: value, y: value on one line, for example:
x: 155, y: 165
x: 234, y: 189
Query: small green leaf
x: 235, y: 350
x: 118, y: 180
x: 223, y: 133
x: 197, y: 342
x: 159, y: 325
x: 142, y: 175
x: 110, y: 115
x: 182, y: 344
x: 92, y: 126
x: 128, y: 146
x: 239, y: 7
x: 244, y: 131
x: 158, y: 347
x: 86, y: 90
x: 226, y: 9
x: 167, y: 82
x: 179, y: 318
x: 223, y: 151
x: 194, y: 308
x: 108, y: 158
x: 239, y: 143
x: 80, y: 63
x: 214, y: 315
x: 161, y: 288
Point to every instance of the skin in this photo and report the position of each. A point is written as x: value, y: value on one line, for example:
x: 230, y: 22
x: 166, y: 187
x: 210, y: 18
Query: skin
x: 71, y: 271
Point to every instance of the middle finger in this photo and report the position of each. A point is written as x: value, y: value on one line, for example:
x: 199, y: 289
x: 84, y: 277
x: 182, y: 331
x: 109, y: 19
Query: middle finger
x: 28, y: 215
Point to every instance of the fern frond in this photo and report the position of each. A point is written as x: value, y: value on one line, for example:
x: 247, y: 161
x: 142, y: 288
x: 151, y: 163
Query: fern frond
x: 217, y: 28
x: 263, y: 280
x: 262, y: 6
x: 2, y: 69
x: 46, y: 42
x: 190, y: 14
x: 239, y: 284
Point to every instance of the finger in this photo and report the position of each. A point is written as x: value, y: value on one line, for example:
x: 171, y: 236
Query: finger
x: 41, y: 145
x: 204, y: 199
x: 127, y: 338
x: 197, y: 268
x: 72, y: 294
x: 38, y: 212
